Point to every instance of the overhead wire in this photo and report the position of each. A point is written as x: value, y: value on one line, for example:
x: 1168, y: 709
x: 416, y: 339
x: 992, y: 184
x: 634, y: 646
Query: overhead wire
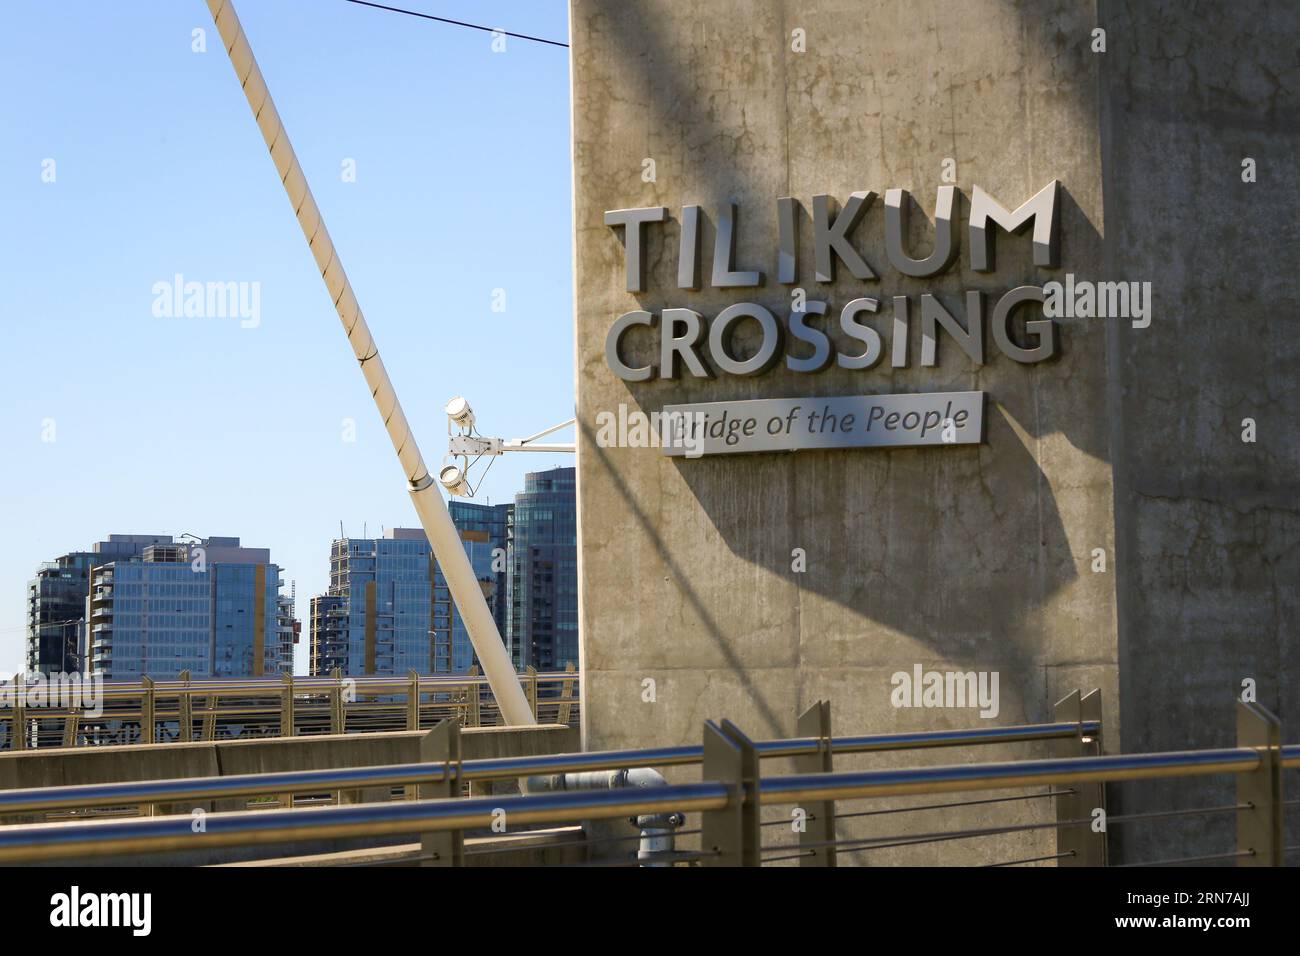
x: 458, y: 23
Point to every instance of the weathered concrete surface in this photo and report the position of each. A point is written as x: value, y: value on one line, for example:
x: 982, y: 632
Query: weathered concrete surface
x: 68, y: 766
x: 973, y: 558
x: 1208, y: 528
x: 953, y: 558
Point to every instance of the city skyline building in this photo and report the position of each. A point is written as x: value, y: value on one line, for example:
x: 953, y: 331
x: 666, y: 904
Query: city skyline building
x: 493, y: 521
x: 542, y: 587
x: 388, y: 609
x: 288, y: 629
x: 384, y: 624
x: 56, y: 608
x: 209, y: 606
x: 327, y: 634
x: 153, y: 605
x: 56, y: 602
x: 139, y: 605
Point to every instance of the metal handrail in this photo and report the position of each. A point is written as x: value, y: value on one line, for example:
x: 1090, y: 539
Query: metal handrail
x: 54, y: 841
x: 271, y: 686
x: 998, y: 776
x: 41, y: 799
x: 170, y: 714
x: 368, y: 703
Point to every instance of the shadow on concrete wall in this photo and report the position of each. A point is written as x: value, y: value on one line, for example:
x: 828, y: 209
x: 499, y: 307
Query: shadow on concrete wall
x: 1186, y: 91
x: 895, y: 579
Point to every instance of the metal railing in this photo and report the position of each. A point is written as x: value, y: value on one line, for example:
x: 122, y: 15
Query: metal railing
x: 152, y: 792
x: 728, y: 798
x: 148, y: 711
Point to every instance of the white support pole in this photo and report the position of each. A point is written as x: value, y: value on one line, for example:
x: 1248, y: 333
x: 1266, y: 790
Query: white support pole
x: 444, y: 539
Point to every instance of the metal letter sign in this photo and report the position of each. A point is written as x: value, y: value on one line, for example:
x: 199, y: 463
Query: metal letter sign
x: 790, y: 424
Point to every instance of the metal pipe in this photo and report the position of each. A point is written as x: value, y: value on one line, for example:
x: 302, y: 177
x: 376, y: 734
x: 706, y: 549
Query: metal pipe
x: 40, y: 799
x: 52, y: 841
x: 273, y: 686
x: 878, y: 743
x: 61, y: 841
x: 543, y: 433
x: 999, y: 776
x: 555, y: 447
x: 434, y: 517
x: 656, y: 828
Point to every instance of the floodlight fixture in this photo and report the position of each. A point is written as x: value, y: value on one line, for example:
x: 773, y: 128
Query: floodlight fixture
x: 459, y: 413
x: 453, y: 480
x: 470, y: 447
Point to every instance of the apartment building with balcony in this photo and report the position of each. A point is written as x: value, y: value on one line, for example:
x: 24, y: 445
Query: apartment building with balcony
x: 56, y: 602
x: 288, y: 629
x: 208, y: 606
x: 56, y: 608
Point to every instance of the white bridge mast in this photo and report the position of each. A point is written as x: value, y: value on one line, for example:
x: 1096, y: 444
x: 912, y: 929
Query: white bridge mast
x: 434, y: 517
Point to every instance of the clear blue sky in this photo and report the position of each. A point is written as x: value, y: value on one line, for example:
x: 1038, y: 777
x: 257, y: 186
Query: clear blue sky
x: 171, y: 425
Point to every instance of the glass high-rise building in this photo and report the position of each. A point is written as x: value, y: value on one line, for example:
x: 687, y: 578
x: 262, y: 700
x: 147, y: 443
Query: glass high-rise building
x: 543, y: 575
x: 388, y: 609
x: 56, y: 610
x: 56, y: 602
x: 210, y: 607
x: 489, y: 524
x: 380, y: 603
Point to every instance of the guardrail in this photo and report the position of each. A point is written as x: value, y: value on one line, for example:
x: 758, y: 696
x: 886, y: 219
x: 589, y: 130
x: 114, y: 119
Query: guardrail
x: 149, y: 711
x: 152, y: 792
x: 728, y: 799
